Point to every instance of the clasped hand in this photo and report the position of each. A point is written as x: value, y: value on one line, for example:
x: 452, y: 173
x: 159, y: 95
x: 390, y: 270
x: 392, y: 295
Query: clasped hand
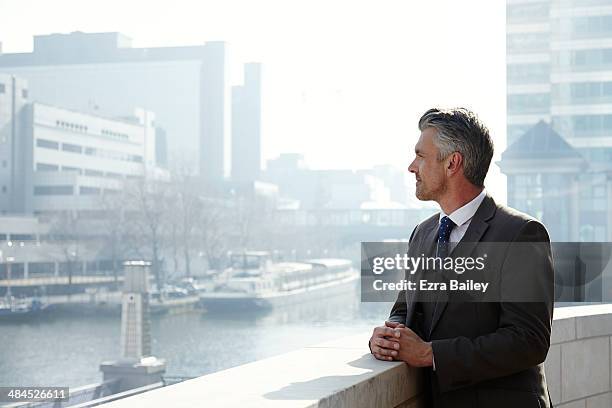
x: 395, y: 341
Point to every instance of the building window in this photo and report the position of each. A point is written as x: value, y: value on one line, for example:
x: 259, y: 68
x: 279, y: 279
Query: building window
x: 93, y: 173
x: 528, y: 73
x: 527, y: 12
x: 67, y: 147
x: 24, y: 93
x: 41, y: 269
x: 2, y: 88
x: 46, y: 167
x: 89, y: 190
x: 72, y: 169
x: 53, y: 190
x: 47, y: 144
x: 528, y: 103
x: 527, y: 42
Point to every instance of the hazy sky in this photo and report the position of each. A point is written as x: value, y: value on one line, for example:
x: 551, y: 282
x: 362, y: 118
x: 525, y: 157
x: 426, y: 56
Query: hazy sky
x: 344, y: 81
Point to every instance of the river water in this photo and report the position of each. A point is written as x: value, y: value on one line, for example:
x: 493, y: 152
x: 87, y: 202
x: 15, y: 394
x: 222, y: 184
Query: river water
x: 66, y: 350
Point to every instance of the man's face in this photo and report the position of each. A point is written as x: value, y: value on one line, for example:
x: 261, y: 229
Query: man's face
x: 430, y: 173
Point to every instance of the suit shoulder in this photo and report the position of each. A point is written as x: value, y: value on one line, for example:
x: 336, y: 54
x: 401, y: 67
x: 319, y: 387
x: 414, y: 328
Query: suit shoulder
x: 425, y: 225
x: 517, y: 221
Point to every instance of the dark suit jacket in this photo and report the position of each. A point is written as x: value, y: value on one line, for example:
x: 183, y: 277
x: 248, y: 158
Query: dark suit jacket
x: 487, y: 354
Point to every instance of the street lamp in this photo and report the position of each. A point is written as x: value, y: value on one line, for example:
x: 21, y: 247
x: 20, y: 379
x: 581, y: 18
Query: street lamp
x: 9, y: 259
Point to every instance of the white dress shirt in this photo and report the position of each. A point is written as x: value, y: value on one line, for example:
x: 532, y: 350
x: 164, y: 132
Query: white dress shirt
x: 462, y: 217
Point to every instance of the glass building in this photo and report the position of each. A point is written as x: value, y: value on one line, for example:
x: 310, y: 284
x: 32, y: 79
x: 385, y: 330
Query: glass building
x: 559, y: 70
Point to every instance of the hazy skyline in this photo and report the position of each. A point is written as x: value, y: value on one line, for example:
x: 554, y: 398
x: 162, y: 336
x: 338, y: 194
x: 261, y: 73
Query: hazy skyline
x: 344, y: 83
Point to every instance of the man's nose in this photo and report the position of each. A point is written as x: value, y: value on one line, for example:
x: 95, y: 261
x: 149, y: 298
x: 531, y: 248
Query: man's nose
x: 412, y: 168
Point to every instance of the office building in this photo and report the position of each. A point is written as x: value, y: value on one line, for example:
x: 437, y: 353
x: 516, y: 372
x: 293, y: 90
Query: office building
x: 246, y: 126
x: 101, y: 73
x: 56, y: 159
x: 559, y: 70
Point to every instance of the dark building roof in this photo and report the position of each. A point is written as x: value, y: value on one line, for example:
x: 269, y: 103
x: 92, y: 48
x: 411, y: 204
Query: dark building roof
x: 540, y: 142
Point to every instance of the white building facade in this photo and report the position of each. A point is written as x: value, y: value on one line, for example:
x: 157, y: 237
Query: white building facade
x: 64, y: 160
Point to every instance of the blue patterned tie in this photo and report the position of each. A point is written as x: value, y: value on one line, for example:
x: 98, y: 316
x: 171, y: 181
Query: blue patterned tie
x: 444, y: 231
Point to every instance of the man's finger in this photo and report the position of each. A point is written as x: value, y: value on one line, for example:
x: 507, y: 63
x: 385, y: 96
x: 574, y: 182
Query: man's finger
x: 394, y: 325
x: 378, y: 356
x: 386, y: 332
x: 383, y: 358
x: 384, y: 351
x: 392, y: 345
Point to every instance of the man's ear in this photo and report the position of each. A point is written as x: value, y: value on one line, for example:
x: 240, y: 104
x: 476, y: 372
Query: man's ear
x: 454, y: 163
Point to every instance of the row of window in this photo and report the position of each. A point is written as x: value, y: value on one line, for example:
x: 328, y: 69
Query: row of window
x: 584, y: 125
x: 528, y: 73
x: 71, y: 126
x: 90, y: 151
x: 528, y: 42
x: 582, y: 91
x: 527, y: 12
x: 583, y: 59
x: 83, y: 129
x: 117, y: 135
x: 87, y: 172
x: 17, y: 237
x: 40, y: 269
x: 64, y: 190
x: 528, y: 103
x: 583, y: 27
x: 578, y: 92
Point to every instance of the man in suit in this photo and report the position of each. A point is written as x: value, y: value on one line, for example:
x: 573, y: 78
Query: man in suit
x: 474, y: 354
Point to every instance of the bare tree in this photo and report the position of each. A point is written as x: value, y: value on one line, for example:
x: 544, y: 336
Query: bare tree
x: 66, y: 232
x: 184, y: 218
x: 114, y: 229
x: 213, y: 229
x: 149, y: 205
x: 252, y: 222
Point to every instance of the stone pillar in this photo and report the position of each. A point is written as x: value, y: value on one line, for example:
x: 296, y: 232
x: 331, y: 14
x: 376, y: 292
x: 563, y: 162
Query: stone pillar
x: 574, y: 209
x: 136, y: 367
x: 609, y: 207
x: 607, y: 273
x: 26, y: 271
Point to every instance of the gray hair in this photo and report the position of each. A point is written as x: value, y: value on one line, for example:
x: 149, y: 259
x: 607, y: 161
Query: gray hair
x: 460, y: 130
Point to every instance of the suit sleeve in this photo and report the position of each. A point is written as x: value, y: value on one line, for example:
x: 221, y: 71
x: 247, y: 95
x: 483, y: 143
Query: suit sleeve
x: 522, y: 338
x: 399, y: 310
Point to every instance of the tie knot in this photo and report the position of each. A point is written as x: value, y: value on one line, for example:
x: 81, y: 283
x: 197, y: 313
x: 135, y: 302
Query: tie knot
x: 444, y: 231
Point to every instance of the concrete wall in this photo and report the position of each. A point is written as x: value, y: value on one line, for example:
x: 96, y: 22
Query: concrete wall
x: 578, y: 364
x: 342, y: 373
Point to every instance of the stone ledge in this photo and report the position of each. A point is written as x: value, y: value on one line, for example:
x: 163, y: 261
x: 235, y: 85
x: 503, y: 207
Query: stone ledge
x: 337, y: 373
x: 342, y: 372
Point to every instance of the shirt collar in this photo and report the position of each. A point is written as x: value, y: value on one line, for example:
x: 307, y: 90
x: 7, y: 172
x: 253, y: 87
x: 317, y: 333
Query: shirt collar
x: 463, y: 214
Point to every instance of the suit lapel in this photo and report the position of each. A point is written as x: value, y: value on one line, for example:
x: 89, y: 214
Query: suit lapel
x: 426, y: 246
x: 473, y: 235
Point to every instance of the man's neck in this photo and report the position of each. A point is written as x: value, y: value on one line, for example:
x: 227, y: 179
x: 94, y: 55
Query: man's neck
x: 457, y: 198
